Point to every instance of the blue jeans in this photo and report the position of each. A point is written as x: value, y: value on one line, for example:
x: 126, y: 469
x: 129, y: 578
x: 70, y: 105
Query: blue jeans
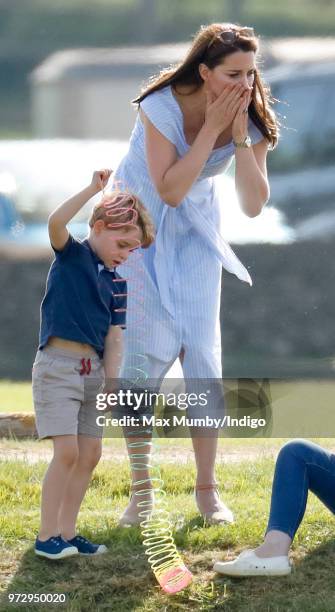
x: 301, y: 466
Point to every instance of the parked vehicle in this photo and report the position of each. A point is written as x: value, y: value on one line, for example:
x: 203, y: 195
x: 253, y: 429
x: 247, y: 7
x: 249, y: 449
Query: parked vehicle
x: 302, y: 168
x: 14, y: 231
x: 48, y: 171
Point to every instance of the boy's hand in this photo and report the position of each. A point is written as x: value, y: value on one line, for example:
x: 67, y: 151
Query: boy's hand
x: 60, y: 217
x: 100, y: 179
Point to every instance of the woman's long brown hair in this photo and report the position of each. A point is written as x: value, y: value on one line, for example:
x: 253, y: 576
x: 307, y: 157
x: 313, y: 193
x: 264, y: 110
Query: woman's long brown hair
x: 209, y: 48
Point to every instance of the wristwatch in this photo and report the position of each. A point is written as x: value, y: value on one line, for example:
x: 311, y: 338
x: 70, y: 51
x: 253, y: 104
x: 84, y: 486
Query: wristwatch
x: 245, y: 144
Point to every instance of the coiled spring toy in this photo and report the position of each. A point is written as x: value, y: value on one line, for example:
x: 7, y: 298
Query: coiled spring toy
x: 163, y: 556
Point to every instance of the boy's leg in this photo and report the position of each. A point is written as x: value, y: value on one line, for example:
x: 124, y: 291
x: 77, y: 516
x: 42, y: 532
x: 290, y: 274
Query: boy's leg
x: 56, y: 477
x: 88, y: 457
x: 89, y: 450
x: 57, y: 399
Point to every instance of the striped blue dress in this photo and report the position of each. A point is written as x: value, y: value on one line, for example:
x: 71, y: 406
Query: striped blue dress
x: 175, y: 286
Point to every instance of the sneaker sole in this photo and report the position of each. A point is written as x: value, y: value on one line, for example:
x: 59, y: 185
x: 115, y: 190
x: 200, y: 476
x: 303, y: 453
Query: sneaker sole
x: 95, y: 554
x: 62, y: 555
x: 254, y: 572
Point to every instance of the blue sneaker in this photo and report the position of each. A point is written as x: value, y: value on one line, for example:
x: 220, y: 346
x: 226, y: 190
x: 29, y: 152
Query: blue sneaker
x: 55, y: 548
x: 85, y: 547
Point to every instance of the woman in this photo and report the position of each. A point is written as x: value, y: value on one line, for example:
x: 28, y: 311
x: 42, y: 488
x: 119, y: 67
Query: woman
x: 301, y: 466
x: 193, y: 119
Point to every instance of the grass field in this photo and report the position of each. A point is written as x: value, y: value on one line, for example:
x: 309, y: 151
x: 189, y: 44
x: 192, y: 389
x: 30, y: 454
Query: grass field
x: 15, y: 396
x: 122, y: 580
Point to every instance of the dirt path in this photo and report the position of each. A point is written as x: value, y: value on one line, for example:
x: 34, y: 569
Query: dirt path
x: 163, y: 455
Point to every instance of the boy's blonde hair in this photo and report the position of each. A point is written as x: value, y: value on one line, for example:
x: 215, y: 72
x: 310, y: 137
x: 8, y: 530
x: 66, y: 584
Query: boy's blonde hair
x: 121, y: 209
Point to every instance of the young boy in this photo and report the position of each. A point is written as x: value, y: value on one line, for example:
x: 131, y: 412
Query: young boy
x: 81, y: 323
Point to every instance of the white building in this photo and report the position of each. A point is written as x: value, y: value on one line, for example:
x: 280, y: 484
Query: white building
x: 87, y: 93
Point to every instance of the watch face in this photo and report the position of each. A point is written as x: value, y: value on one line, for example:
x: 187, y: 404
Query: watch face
x: 248, y: 141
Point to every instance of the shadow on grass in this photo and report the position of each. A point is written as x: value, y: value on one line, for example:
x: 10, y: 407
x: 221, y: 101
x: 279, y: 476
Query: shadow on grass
x: 310, y: 587
x: 118, y: 580
x: 122, y: 580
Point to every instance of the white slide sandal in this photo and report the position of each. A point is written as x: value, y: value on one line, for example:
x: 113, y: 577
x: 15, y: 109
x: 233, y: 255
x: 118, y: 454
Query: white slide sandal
x: 248, y: 564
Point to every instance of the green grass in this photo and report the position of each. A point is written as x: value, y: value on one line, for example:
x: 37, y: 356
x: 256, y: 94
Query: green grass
x: 122, y: 580
x: 13, y: 133
x: 169, y: 449
x: 15, y: 396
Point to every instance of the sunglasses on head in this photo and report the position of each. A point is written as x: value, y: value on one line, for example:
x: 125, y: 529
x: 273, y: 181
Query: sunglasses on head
x: 228, y: 37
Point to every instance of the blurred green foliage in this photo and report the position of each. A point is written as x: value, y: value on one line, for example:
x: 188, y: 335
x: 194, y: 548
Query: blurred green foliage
x: 32, y: 29
x: 63, y: 23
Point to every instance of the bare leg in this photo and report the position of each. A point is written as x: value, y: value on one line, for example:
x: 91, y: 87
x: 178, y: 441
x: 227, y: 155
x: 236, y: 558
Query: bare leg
x: 55, y: 480
x: 276, y: 543
x: 139, y: 452
x: 88, y: 458
x: 205, y: 453
x: 207, y: 496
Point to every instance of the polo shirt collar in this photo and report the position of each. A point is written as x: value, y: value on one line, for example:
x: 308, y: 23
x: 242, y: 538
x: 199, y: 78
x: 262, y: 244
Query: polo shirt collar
x: 97, y: 259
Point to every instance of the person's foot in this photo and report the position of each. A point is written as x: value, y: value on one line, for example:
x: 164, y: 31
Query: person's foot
x: 267, y: 550
x: 210, y: 506
x: 85, y: 547
x: 249, y: 564
x: 139, y: 507
x: 55, y: 548
x: 276, y: 544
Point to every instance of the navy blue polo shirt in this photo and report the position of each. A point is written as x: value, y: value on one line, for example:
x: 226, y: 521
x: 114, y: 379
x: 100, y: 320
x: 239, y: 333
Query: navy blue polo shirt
x: 81, y: 301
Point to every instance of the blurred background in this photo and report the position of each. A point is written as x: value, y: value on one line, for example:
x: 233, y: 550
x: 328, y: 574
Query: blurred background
x: 69, y: 70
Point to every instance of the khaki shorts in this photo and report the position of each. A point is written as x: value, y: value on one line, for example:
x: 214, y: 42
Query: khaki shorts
x: 64, y: 399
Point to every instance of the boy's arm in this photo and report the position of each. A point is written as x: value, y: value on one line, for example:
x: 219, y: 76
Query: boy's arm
x: 60, y: 217
x: 113, y: 354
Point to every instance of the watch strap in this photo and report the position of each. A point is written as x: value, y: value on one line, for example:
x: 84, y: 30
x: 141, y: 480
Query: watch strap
x: 245, y: 144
